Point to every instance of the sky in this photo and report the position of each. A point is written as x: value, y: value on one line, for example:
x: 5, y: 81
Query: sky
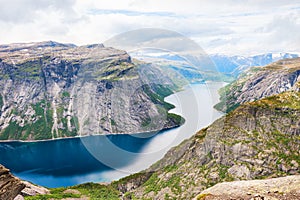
x: 231, y: 27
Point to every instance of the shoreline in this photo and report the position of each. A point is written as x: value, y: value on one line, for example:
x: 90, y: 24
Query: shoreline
x: 84, y: 136
x: 143, y: 149
x: 114, y: 134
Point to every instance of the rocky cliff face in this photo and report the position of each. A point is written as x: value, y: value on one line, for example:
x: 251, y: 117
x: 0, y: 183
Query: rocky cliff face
x: 52, y: 90
x: 10, y: 186
x: 257, y: 140
x: 259, y: 82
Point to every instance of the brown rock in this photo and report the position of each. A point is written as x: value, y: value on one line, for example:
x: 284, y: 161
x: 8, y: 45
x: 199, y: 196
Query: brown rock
x: 10, y: 186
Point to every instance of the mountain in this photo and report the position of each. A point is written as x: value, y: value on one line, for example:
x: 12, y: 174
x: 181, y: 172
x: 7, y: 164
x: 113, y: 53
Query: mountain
x: 183, y: 69
x: 258, y: 140
x: 236, y: 65
x: 259, y: 82
x: 53, y: 90
x: 215, y: 67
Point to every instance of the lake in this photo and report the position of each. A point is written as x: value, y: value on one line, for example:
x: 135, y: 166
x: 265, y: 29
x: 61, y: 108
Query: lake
x: 67, y: 162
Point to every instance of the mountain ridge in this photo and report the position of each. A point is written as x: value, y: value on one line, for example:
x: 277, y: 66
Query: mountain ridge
x: 49, y: 86
x: 259, y: 82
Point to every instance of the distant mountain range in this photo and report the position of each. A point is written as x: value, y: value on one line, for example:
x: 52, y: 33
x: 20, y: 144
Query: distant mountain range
x: 237, y: 64
x: 227, y: 66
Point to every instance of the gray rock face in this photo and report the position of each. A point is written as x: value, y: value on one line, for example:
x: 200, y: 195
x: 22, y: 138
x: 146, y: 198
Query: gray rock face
x: 52, y: 90
x: 260, y: 82
x: 257, y: 140
x: 10, y: 186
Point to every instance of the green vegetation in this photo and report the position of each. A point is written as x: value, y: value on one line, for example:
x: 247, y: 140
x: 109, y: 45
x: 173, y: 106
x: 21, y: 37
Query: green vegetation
x: 40, y: 129
x: 11, y: 132
x: 112, y: 122
x: 64, y: 131
x: 57, y: 193
x: 223, y: 171
x: 111, y: 71
x: 1, y: 103
x: 176, y: 119
x: 93, y: 191
x: 75, y: 122
x: 170, y: 168
x: 29, y: 69
x: 152, y: 184
x: 140, y: 175
x: 97, y: 192
x: 155, y: 184
x: 227, y: 99
x: 287, y: 142
x: 289, y: 99
x: 157, y: 93
x: 146, y: 122
x: 65, y: 94
x: 201, y: 134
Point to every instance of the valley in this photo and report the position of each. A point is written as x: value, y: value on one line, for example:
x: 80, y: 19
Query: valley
x: 257, y: 138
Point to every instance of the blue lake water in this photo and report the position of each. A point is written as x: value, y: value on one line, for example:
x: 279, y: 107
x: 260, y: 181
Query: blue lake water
x: 99, y: 158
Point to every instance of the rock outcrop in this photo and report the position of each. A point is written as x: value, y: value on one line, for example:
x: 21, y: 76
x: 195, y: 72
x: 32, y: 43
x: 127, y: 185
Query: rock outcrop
x: 52, y: 90
x: 10, y: 186
x: 260, y: 82
x: 284, y: 188
x: 31, y: 190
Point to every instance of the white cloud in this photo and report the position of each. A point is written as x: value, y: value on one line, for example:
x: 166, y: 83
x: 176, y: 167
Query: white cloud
x: 229, y: 26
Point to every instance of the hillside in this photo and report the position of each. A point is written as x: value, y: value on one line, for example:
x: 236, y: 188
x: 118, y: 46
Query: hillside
x: 53, y: 90
x: 260, y: 82
x: 258, y: 140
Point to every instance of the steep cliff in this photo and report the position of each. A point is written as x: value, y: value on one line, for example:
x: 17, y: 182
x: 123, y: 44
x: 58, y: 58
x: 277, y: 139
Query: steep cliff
x: 52, y: 90
x: 258, y: 140
x: 259, y: 82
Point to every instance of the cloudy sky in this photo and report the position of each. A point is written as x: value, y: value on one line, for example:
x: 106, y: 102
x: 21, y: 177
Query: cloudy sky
x: 218, y: 26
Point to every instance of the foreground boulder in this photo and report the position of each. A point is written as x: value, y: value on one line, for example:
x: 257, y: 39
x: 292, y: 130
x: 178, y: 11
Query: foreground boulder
x: 10, y: 186
x: 275, y: 188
